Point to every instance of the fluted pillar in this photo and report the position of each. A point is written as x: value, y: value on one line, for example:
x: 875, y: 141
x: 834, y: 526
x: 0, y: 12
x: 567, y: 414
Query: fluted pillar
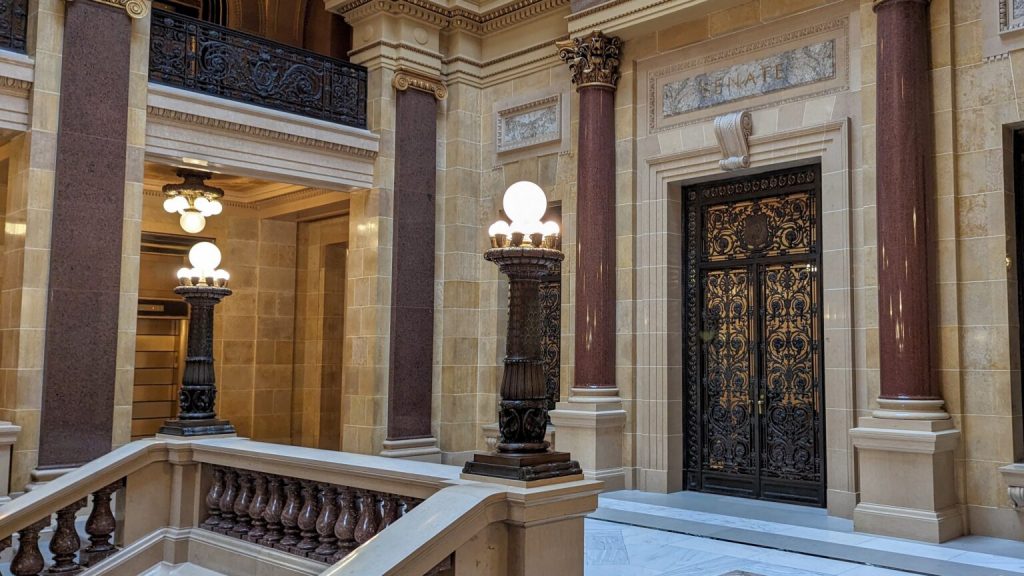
x: 905, y: 451
x: 590, y: 425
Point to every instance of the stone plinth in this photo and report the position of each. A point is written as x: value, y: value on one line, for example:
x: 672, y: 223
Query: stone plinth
x: 907, y: 485
x: 592, y: 429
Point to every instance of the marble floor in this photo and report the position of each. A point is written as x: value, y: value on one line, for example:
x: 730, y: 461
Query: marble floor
x: 614, y: 549
x: 642, y: 533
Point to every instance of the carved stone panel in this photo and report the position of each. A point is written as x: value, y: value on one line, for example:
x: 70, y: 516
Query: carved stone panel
x: 690, y: 86
x: 531, y: 125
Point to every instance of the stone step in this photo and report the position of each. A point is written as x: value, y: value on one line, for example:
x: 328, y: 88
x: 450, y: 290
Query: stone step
x: 184, y: 569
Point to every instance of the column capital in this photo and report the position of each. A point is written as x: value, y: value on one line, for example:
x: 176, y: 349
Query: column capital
x: 880, y: 3
x: 406, y: 78
x: 593, y: 59
x: 134, y: 8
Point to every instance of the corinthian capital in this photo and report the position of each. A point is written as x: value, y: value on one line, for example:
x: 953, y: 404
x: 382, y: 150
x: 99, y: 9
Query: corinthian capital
x: 593, y: 59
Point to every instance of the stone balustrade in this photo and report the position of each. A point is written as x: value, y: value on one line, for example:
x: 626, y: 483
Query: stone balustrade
x: 237, y: 506
x: 69, y: 556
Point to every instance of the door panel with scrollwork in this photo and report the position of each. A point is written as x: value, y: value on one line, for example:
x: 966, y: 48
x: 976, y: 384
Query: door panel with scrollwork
x: 753, y: 376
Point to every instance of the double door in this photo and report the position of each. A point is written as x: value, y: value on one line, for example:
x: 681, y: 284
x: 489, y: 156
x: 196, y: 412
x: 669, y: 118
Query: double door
x: 754, y: 386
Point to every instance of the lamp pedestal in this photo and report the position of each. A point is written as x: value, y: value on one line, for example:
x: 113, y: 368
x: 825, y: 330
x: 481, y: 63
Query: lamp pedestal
x: 522, y: 453
x: 196, y: 400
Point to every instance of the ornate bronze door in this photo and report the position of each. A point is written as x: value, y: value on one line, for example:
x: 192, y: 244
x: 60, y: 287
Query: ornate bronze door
x: 753, y: 385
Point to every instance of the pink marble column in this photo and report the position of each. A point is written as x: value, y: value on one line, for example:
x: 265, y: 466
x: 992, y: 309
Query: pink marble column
x: 594, y: 63
x: 905, y: 148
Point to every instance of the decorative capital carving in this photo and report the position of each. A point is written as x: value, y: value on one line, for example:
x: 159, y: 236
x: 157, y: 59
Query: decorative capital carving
x: 593, y: 59
x: 405, y: 79
x: 134, y: 8
x: 732, y: 131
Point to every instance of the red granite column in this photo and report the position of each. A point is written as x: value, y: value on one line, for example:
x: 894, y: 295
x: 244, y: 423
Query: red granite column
x: 594, y: 63
x: 80, y: 353
x: 905, y: 146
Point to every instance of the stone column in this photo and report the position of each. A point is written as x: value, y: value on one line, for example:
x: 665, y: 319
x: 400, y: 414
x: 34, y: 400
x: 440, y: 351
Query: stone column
x: 590, y: 425
x: 905, y: 450
x: 81, y: 352
x: 410, y: 383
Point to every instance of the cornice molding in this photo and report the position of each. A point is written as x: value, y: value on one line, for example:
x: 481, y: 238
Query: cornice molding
x: 593, y: 59
x: 406, y: 78
x: 217, y: 123
x: 134, y: 8
x: 456, y: 18
x: 15, y: 86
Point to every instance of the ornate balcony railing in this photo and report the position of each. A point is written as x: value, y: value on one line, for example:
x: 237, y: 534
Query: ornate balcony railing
x: 202, y: 57
x: 13, y: 24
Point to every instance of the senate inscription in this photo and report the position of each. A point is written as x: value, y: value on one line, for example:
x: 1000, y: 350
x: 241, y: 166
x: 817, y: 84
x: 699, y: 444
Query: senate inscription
x: 789, y: 69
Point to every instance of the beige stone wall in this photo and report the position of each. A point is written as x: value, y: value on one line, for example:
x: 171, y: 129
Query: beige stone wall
x: 319, y: 334
x: 977, y: 100
x: 27, y: 242
x: 254, y: 327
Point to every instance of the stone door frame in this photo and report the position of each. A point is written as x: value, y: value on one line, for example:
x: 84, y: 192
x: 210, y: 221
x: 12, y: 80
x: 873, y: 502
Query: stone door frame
x: 659, y: 291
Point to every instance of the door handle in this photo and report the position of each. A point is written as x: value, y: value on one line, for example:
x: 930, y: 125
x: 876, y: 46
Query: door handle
x: 760, y: 407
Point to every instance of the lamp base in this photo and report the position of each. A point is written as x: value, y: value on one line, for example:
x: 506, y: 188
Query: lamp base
x: 209, y: 427
x: 523, y: 467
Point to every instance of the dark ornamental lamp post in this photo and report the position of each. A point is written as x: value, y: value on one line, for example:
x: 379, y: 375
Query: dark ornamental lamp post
x: 202, y: 286
x: 525, y: 251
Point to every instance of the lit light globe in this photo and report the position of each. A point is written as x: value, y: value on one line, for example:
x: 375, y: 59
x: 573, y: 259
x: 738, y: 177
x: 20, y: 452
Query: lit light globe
x: 170, y: 205
x: 205, y: 256
x: 180, y: 203
x: 202, y: 204
x: 551, y: 228
x: 184, y: 273
x: 215, y: 207
x: 499, y: 228
x: 525, y: 202
x: 192, y: 221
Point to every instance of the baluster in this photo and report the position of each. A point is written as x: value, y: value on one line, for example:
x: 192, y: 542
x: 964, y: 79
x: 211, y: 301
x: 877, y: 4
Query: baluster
x: 369, y: 517
x: 273, y: 513
x: 257, y: 509
x: 227, y: 502
x: 392, y: 510
x: 65, y: 542
x: 325, y: 523
x: 29, y: 560
x: 307, y: 518
x: 290, y: 515
x: 345, y: 527
x: 100, y: 527
x: 242, y: 503
x: 5, y: 544
x: 213, y: 499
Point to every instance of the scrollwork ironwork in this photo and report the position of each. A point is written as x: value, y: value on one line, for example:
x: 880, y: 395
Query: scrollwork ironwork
x: 202, y: 57
x: 13, y: 24
x: 754, y: 392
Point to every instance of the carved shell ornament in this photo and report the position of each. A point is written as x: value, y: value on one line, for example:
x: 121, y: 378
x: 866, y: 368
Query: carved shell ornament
x: 593, y: 59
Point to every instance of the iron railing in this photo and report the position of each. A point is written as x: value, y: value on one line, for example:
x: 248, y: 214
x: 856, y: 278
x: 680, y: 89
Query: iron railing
x: 202, y: 57
x: 13, y: 24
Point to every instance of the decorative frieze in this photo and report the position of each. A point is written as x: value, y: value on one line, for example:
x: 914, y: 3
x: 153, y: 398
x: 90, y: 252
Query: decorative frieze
x: 801, y: 64
x: 593, y: 59
x: 530, y: 124
x: 405, y: 79
x: 460, y: 17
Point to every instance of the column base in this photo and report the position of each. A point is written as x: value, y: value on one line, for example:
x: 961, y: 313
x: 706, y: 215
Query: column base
x: 41, y: 476
x: 591, y: 427
x: 910, y: 409
x: 906, y: 471
x: 420, y: 449
x: 190, y: 428
x: 523, y: 467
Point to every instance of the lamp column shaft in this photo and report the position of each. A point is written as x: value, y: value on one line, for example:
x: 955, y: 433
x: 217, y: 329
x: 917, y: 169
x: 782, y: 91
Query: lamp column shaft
x: 522, y: 417
x: 198, y: 386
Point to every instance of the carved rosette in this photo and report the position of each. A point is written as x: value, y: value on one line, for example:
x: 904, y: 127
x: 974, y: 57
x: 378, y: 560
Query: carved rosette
x: 405, y: 79
x: 593, y: 59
